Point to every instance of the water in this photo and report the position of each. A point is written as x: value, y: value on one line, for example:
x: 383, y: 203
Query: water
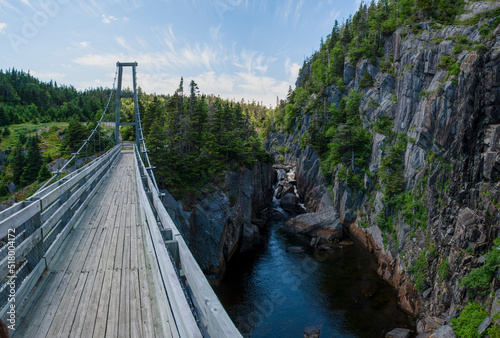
x: 273, y: 293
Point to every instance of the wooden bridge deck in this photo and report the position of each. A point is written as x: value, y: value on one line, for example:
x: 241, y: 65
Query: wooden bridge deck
x: 100, y: 283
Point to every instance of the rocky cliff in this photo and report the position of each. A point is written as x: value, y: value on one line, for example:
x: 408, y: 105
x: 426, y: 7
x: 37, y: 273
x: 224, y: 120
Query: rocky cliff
x: 226, y: 220
x: 440, y: 87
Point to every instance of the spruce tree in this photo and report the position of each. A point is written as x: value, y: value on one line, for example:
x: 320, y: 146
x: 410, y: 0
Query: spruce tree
x: 33, y: 162
x: 17, y: 163
x: 44, y: 174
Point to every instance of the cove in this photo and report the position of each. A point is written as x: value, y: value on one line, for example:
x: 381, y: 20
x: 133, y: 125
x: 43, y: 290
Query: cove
x: 274, y: 293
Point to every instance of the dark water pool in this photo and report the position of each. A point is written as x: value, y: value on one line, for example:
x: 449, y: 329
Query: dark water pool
x: 272, y: 293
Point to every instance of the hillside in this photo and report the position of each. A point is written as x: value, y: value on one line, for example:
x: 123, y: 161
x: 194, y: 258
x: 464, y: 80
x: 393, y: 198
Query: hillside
x: 41, y: 128
x: 394, y: 131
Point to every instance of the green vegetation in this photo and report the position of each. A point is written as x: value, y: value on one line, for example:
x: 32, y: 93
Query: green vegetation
x: 444, y: 268
x: 391, y: 171
x: 466, y: 324
x: 24, y: 98
x: 367, y: 80
x: 419, y: 270
x: 479, y: 279
x: 341, y: 138
x: 193, y: 138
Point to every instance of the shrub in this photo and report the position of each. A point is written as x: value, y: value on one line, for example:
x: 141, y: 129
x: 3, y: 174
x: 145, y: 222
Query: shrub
x: 479, y: 279
x: 465, y: 326
x: 367, y: 80
x: 419, y: 270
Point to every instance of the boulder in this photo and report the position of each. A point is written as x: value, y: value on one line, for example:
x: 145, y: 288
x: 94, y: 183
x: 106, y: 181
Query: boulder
x: 312, y: 332
x: 484, y: 325
x: 289, y: 202
x: 324, y: 225
x: 444, y: 331
x: 398, y: 333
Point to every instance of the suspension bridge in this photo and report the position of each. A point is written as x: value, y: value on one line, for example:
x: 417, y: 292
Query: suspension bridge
x: 95, y: 254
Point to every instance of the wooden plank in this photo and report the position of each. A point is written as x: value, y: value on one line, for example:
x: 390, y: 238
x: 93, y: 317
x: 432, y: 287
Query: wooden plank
x: 19, y: 218
x: 63, y: 253
x: 186, y: 325
x: 62, y: 326
x: 50, y: 311
x: 124, y: 313
x: 104, y: 299
x: 212, y: 313
x: 91, y: 309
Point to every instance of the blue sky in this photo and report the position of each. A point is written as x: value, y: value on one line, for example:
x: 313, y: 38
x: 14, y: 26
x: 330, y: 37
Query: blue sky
x: 232, y: 48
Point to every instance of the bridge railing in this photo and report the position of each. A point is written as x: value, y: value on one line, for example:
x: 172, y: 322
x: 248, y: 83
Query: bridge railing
x: 212, y: 316
x: 32, y: 231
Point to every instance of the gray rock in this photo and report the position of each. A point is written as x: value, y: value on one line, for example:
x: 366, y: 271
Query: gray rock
x: 325, y: 225
x: 349, y: 73
x: 484, y: 325
x: 11, y: 187
x: 444, y: 331
x: 289, y: 202
x: 398, y: 333
x: 495, y: 307
x: 481, y: 260
x: 427, y: 293
x: 312, y: 332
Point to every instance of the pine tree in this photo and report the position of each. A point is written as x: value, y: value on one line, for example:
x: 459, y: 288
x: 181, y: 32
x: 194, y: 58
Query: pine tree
x: 17, y: 163
x: 44, y: 174
x: 33, y: 162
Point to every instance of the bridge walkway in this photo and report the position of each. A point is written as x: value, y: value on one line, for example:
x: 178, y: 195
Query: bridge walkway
x: 100, y: 283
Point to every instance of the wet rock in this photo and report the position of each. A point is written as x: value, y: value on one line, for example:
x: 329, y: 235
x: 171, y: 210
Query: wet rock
x: 289, y: 202
x: 398, y: 333
x: 295, y: 249
x: 278, y: 192
x: 276, y: 216
x: 312, y: 332
x: 444, y: 331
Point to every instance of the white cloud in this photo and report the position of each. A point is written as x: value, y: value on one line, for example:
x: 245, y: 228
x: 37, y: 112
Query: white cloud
x: 27, y: 3
x: 108, y: 19
x: 47, y: 76
x: 165, y: 36
x: 251, y: 60
x: 84, y: 44
x: 292, y: 70
x: 121, y: 41
x: 2, y: 27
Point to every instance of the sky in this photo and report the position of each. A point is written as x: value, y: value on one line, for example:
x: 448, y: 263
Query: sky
x: 237, y: 49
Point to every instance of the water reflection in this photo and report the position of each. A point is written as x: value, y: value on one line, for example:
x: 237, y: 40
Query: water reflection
x: 274, y: 293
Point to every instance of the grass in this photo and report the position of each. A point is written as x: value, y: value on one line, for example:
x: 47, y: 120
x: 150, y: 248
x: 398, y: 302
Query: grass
x: 49, y: 140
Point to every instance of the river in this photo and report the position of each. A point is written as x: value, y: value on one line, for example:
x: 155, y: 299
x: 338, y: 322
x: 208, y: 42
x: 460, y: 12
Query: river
x: 274, y: 293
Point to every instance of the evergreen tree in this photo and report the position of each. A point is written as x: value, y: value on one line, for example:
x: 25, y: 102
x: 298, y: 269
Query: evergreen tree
x: 43, y: 174
x: 33, y: 162
x: 17, y: 163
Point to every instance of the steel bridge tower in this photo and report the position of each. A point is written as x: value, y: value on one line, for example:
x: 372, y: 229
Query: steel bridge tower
x: 120, y: 95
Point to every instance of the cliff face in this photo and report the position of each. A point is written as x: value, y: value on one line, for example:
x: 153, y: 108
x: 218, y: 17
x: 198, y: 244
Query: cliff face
x: 227, y: 220
x: 451, y: 166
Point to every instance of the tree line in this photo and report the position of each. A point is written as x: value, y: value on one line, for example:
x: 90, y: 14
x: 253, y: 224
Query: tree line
x: 24, y: 98
x: 193, y: 137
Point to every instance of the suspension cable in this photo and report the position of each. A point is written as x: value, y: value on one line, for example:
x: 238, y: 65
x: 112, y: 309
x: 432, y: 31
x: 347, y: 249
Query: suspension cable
x: 85, y: 143
x: 142, y: 139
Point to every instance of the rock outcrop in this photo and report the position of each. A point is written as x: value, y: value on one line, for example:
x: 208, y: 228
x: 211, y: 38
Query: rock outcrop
x: 227, y: 220
x: 451, y: 167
